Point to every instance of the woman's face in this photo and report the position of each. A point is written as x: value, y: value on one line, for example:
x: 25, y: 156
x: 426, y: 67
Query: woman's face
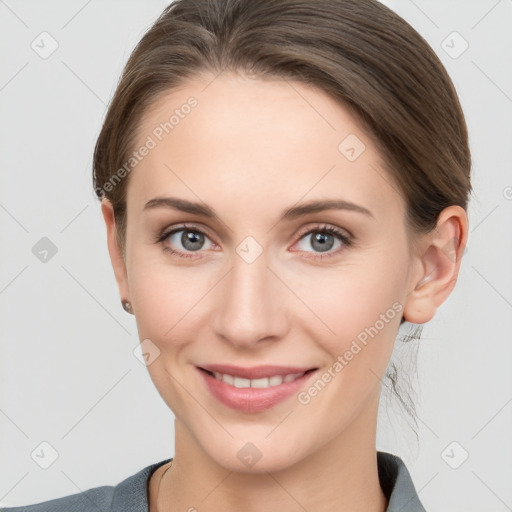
x: 251, y: 285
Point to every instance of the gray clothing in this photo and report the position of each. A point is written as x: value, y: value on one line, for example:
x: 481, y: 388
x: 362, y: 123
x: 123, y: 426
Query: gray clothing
x: 131, y: 495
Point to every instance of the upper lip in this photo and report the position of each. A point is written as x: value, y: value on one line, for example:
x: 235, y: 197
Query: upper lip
x: 254, y: 372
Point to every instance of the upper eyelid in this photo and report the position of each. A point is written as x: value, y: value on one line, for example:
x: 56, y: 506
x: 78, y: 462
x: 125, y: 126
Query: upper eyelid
x: 171, y: 230
x: 322, y: 226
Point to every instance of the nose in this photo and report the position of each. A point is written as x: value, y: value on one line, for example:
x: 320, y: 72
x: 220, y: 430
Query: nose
x: 252, y: 304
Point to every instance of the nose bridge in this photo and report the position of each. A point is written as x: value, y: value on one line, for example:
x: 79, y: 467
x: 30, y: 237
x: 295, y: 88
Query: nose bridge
x: 250, y: 302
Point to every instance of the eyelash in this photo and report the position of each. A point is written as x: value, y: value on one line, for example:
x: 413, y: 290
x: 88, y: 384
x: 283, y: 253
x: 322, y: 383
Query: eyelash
x: 347, y: 240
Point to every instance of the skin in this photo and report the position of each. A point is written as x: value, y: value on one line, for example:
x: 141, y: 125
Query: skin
x: 250, y: 149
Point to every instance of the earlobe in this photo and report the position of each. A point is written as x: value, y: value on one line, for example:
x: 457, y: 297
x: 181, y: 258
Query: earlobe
x: 439, y: 263
x: 114, y: 249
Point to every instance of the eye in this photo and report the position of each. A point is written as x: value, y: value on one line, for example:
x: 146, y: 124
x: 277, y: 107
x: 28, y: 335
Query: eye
x: 322, y: 239
x: 188, y: 239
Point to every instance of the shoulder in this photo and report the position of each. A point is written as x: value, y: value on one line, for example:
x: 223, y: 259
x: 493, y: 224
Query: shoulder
x: 397, y: 484
x: 130, y: 495
x: 98, y: 499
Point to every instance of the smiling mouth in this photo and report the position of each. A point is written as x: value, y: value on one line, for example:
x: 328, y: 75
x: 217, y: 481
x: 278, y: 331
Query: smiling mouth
x: 260, y: 383
x: 254, y: 389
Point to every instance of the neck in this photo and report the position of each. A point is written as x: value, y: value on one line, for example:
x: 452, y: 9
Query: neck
x: 341, y: 475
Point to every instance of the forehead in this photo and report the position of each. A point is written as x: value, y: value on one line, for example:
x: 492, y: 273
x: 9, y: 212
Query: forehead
x: 252, y: 140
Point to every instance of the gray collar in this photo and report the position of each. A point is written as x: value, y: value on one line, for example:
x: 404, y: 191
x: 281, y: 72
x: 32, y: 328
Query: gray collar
x: 397, y: 484
x: 131, y: 494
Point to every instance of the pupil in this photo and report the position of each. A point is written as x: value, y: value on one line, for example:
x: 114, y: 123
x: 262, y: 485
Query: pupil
x: 191, y: 237
x: 321, y: 239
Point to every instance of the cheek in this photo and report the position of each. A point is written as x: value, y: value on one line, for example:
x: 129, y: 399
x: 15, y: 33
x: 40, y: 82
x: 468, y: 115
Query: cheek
x: 360, y: 301
x: 354, y: 296
x: 167, y: 304
x: 162, y: 304
x: 167, y: 297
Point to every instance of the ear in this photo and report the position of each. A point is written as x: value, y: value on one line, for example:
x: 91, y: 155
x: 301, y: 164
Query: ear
x: 114, y: 249
x: 439, y: 263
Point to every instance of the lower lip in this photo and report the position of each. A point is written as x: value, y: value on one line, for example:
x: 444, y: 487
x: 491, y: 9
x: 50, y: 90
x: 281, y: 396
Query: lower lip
x: 252, y: 399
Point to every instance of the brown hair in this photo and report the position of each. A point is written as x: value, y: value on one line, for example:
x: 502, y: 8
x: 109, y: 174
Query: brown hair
x: 358, y: 51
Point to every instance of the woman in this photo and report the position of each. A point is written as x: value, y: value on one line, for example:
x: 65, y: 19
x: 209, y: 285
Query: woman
x: 284, y: 183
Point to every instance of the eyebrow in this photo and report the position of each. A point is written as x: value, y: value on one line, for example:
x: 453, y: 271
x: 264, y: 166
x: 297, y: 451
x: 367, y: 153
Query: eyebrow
x: 288, y: 214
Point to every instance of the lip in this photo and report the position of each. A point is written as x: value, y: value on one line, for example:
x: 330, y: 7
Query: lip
x: 251, y: 400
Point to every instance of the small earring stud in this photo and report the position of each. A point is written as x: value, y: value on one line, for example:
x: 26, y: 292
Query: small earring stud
x: 126, y: 306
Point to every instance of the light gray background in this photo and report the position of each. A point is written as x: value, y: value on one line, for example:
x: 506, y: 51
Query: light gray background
x: 69, y: 376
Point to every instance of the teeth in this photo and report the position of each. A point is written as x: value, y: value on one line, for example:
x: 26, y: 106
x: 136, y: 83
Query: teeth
x: 266, y: 382
x: 259, y: 383
x: 275, y: 380
x: 242, y: 383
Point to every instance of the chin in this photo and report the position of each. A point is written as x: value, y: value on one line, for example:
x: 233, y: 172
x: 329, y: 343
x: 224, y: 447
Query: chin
x: 258, y: 457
